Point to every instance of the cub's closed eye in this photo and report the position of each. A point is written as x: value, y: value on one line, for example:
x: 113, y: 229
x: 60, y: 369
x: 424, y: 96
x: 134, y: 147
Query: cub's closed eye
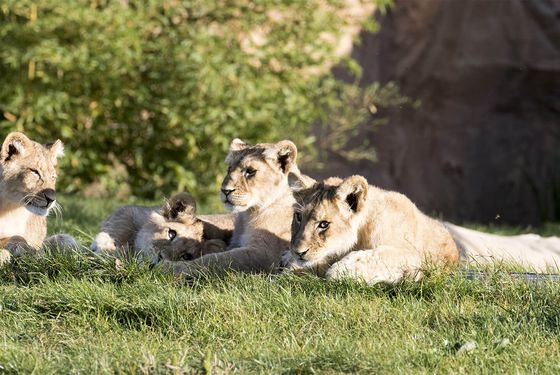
x: 324, y: 224
x: 171, y: 234
x: 299, y: 217
x: 250, y: 172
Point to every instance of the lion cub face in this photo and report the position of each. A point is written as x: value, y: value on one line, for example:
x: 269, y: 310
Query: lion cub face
x: 28, y: 174
x: 325, y: 219
x: 173, y: 232
x: 256, y: 173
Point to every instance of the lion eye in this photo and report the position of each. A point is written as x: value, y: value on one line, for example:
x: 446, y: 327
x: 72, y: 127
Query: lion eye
x: 250, y: 172
x: 171, y: 234
x: 324, y: 224
x: 35, y: 172
x: 298, y: 217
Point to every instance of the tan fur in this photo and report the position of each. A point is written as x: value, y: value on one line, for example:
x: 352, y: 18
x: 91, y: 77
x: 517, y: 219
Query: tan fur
x: 27, y: 193
x: 169, y: 232
x: 529, y: 251
x: 347, y: 228
x: 264, y: 202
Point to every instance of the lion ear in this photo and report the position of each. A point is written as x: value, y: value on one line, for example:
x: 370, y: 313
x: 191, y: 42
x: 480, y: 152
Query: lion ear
x: 15, y: 145
x: 237, y: 145
x: 285, y: 152
x: 298, y: 181
x: 179, y: 204
x: 156, y: 218
x: 56, y: 150
x: 353, y: 191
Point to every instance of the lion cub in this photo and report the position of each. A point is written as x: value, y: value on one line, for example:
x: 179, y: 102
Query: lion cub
x: 256, y: 187
x: 27, y: 195
x: 348, y: 228
x: 168, y: 232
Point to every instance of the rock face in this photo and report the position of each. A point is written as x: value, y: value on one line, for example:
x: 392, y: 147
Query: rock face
x: 485, y: 143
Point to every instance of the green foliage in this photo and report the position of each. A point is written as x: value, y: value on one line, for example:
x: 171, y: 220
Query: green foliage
x: 148, y: 94
x: 353, y: 116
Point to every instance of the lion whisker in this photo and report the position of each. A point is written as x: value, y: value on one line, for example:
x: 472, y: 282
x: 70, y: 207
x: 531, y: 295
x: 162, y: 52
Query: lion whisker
x: 57, y: 210
x: 27, y: 199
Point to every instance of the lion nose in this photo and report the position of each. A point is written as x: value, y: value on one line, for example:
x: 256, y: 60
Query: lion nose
x: 227, y: 191
x: 301, y: 253
x: 50, y: 196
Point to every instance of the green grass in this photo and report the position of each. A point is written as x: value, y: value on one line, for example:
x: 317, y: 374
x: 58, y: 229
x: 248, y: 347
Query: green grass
x: 69, y: 313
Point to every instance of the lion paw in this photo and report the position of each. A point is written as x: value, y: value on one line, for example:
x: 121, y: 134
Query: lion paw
x: 103, y: 242
x: 5, y: 257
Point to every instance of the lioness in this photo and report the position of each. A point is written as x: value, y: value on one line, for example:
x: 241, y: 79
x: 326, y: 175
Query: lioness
x: 170, y: 232
x: 348, y: 228
x: 27, y: 195
x: 256, y: 187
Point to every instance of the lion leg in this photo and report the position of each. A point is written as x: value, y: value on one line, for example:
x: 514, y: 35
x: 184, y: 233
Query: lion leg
x: 244, y: 259
x: 103, y: 242
x: 18, y: 246
x: 5, y: 257
x: 288, y: 264
x: 213, y: 246
x: 286, y: 259
x: 384, y: 264
x: 120, y: 229
x: 61, y: 241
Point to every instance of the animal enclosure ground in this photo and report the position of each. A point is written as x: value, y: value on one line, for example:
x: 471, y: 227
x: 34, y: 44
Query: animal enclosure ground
x: 73, y: 312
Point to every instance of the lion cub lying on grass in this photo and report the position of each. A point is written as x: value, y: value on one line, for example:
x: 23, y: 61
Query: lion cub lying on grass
x: 27, y: 195
x: 168, y: 232
x: 256, y: 187
x: 348, y: 228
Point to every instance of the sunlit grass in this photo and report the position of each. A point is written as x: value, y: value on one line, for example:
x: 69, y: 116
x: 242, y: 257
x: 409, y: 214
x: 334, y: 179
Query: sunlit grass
x: 74, y: 312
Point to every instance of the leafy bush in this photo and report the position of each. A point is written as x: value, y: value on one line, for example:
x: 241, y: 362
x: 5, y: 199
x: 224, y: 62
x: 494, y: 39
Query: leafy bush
x: 148, y: 94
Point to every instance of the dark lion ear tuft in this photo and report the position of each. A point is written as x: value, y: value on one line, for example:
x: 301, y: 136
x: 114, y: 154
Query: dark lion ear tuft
x: 353, y: 191
x: 14, y: 145
x: 352, y: 200
x: 287, y: 154
x: 179, y: 204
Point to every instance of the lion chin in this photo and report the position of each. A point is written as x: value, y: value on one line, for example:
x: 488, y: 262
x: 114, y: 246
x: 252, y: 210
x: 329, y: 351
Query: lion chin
x: 36, y: 210
x: 236, y: 208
